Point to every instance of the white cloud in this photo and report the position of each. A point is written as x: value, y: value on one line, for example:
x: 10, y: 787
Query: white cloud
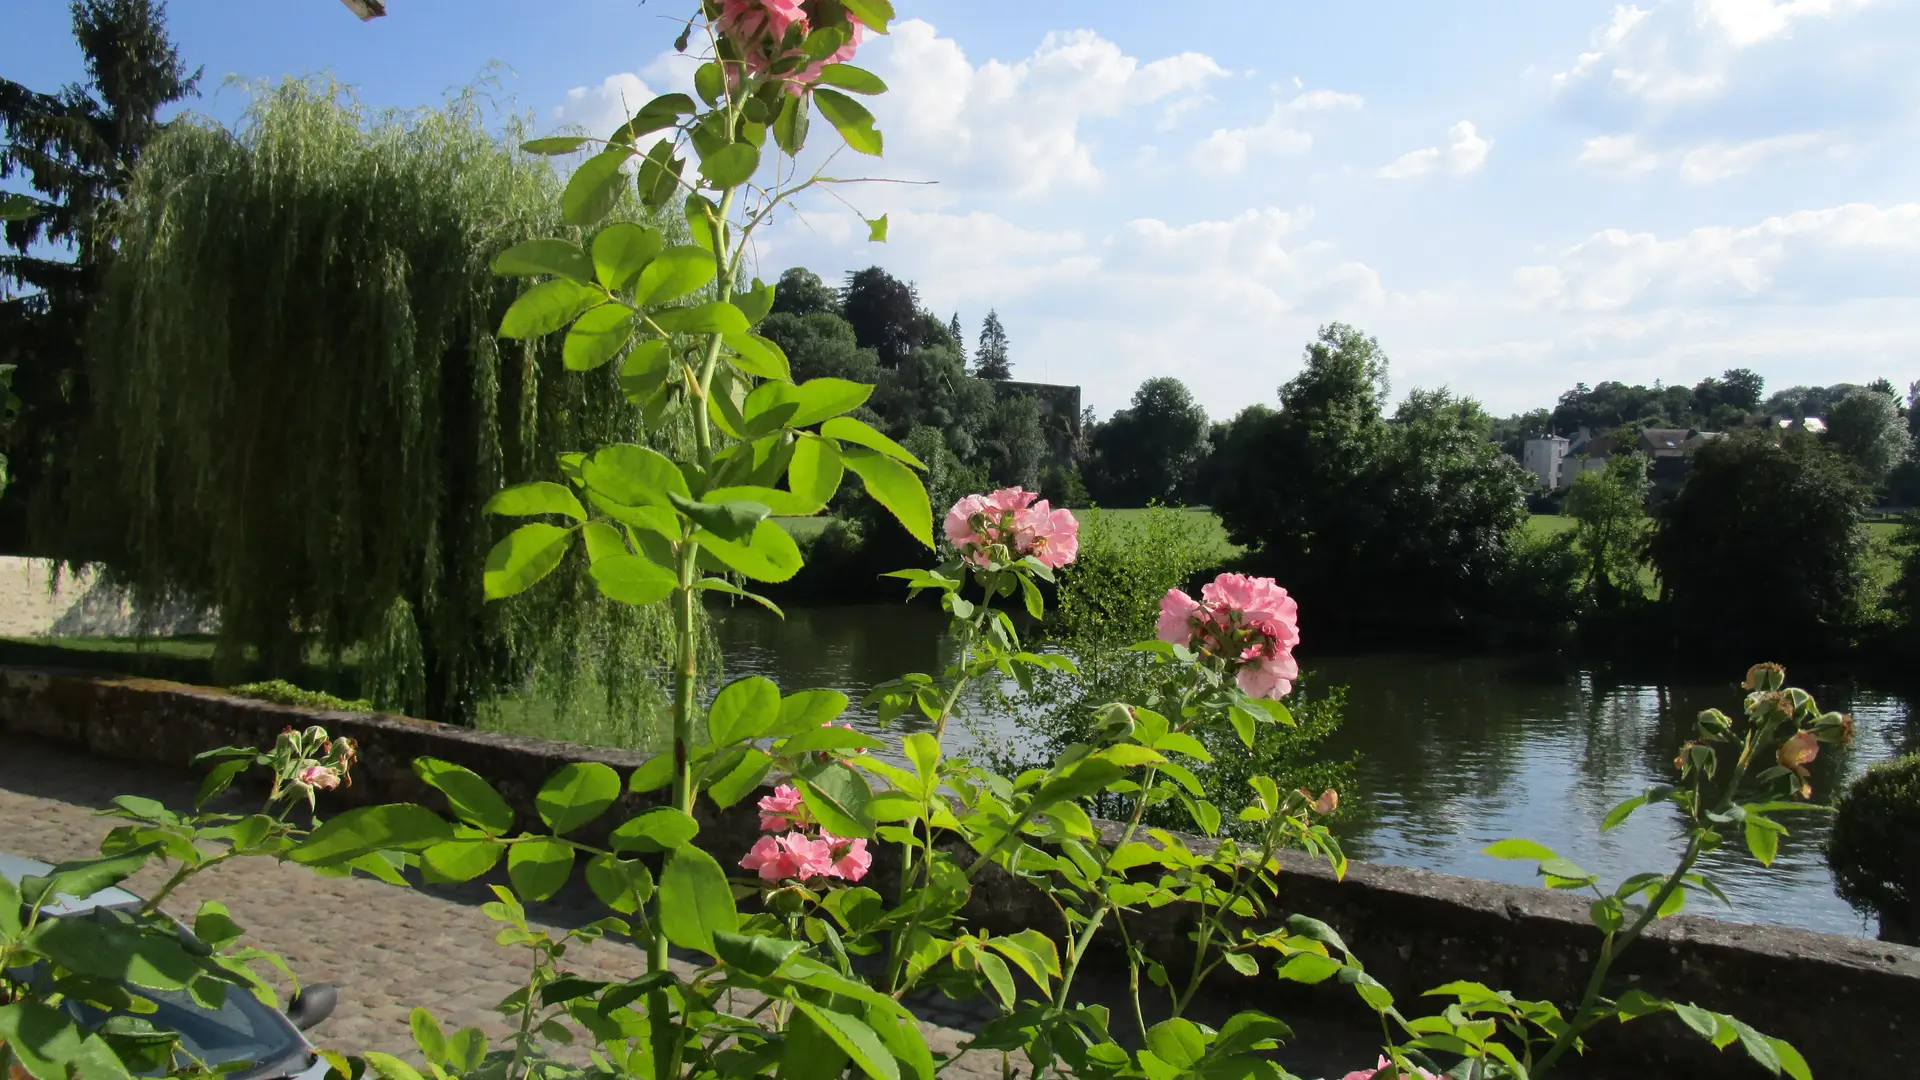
x: 1015, y: 127
x: 1719, y: 160
x: 1614, y: 269
x: 598, y: 110
x: 1466, y: 152
x: 1679, y: 50
x: 1620, y: 153
x: 1228, y: 150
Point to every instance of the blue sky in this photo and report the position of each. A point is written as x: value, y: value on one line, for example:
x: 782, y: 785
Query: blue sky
x: 1513, y: 196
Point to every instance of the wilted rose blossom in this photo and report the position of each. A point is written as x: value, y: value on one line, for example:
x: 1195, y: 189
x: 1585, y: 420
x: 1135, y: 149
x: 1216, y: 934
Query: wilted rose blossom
x: 782, y: 810
x: 1383, y: 1069
x: 1011, y: 520
x: 1251, y: 621
x: 1796, y: 753
x: 1325, y: 803
x: 318, y: 776
x: 794, y: 856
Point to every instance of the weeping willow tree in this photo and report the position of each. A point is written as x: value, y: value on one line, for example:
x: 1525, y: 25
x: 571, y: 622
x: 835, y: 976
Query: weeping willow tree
x: 303, y: 405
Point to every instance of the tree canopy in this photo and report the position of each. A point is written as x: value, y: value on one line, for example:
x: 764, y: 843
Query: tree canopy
x: 1152, y: 451
x: 1763, y: 542
x: 990, y: 358
x: 1867, y: 427
x: 76, y: 148
x: 303, y: 406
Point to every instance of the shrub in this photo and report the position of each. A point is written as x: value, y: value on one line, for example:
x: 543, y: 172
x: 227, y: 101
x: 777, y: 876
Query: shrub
x: 1874, y: 849
x: 282, y: 692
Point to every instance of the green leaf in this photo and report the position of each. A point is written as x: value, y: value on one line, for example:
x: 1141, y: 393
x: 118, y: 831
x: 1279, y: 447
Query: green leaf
x: 539, y: 867
x: 848, y: 77
x: 877, y: 229
x: 81, y: 878
x: 546, y: 255
x: 526, y: 555
x: 622, y: 250
x: 548, y: 307
x: 717, y: 317
x: 1178, y: 1042
x: 597, y: 336
x: 603, y: 541
x: 654, y: 774
x: 659, y: 176
x: 621, y: 884
x: 860, y: 433
x: 756, y: 302
x: 471, y: 798
x: 830, y: 738
x: 804, y: 710
x: 710, y: 82
x: 1620, y: 813
x: 771, y: 554
x: 790, y: 127
x: 594, y: 187
x: 427, y: 1035
x: 662, y: 112
x: 695, y: 900
x: 854, y: 1038
x: 1791, y: 1062
x: 632, y: 579
x: 702, y: 220
x: 461, y: 860
x: 120, y: 951
x: 741, y: 779
x: 364, y: 830
x: 634, y: 475
x: 575, y: 794
x: 744, y: 709
x: 873, y: 14
x: 722, y: 585
x: 660, y: 829
x: 540, y: 497
x: 1519, y: 849
x: 756, y: 355
x: 555, y: 144
x: 822, y: 399
x: 1762, y: 841
x: 42, y: 1038
x: 731, y: 165
x: 730, y: 519
x: 390, y: 1067
x: 1308, y: 968
x: 895, y: 487
x: 837, y: 796
x: 755, y: 954
x: 814, y: 473
x: 851, y: 119
x: 677, y: 272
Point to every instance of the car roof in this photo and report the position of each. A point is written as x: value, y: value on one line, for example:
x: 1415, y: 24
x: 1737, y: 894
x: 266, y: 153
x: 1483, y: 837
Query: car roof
x: 15, y: 867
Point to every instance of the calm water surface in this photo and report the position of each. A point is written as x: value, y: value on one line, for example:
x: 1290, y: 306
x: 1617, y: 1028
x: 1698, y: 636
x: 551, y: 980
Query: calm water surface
x: 1456, y: 753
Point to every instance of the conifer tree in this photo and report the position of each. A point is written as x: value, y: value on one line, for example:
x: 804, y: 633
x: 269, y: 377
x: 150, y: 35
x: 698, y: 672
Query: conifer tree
x: 990, y: 354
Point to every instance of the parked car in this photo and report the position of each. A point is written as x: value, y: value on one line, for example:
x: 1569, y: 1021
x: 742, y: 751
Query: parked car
x: 242, y: 1029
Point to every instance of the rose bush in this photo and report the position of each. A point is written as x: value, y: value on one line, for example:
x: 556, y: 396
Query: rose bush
x: 826, y: 958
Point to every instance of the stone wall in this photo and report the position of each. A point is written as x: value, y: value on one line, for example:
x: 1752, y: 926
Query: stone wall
x: 1847, y: 1003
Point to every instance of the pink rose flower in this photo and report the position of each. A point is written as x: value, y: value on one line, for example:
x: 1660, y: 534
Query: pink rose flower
x: 1251, y: 621
x: 782, y: 810
x: 759, y: 30
x: 1382, y: 1069
x: 794, y: 856
x: 318, y: 776
x: 1177, y: 610
x: 1011, y: 521
x: 1052, y: 536
x: 850, y: 858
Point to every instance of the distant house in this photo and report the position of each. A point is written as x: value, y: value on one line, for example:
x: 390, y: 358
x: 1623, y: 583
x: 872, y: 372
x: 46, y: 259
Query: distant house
x: 1811, y: 423
x: 1543, y: 458
x: 1670, y: 451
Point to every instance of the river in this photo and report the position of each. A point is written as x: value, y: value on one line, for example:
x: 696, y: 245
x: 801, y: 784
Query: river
x: 1457, y: 752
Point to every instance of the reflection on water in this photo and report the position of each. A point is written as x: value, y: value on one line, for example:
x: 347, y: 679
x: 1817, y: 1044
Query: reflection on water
x: 1457, y: 753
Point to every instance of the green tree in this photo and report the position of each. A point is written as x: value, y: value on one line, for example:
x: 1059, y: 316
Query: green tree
x: 1763, y: 543
x: 1013, y: 444
x: 820, y: 345
x: 958, y: 335
x: 302, y: 434
x: 1867, y: 427
x: 990, y: 359
x: 1152, y: 451
x: 76, y: 149
x: 1452, y: 498
x: 885, y: 314
x: 1609, y: 509
x: 800, y: 292
x: 930, y: 388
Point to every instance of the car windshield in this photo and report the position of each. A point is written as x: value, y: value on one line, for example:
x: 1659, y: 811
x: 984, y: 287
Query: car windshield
x: 241, y: 1029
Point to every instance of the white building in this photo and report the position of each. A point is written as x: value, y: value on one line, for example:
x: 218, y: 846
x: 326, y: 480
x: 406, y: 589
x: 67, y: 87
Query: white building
x: 1545, y: 458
